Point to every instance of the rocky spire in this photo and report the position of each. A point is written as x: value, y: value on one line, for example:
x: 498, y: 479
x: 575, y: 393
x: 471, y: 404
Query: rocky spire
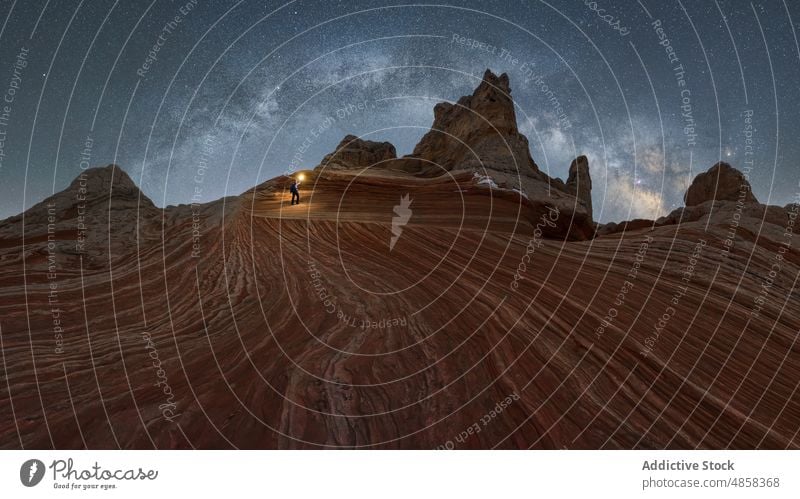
x: 479, y: 131
x: 579, y: 182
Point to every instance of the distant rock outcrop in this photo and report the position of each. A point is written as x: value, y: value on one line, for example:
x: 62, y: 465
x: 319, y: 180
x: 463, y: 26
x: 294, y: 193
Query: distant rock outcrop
x: 721, y: 198
x: 104, y: 181
x: 78, y: 220
x: 355, y: 153
x: 90, y: 196
x: 579, y: 182
x: 721, y: 182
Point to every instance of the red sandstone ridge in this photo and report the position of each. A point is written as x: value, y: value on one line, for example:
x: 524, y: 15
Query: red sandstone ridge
x: 306, y: 327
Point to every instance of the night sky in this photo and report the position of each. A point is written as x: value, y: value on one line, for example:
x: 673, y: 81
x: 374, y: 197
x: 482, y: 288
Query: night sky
x: 244, y: 91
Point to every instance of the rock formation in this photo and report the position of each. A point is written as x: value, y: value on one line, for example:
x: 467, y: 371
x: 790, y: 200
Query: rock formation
x: 477, y: 132
x: 95, y: 191
x: 735, y: 206
x: 78, y: 220
x: 353, y: 152
x: 579, y: 182
x: 721, y: 182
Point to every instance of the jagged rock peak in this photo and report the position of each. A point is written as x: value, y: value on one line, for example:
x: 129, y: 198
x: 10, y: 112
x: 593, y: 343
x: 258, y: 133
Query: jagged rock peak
x: 353, y: 152
x: 493, y: 88
x: 721, y: 182
x: 500, y: 82
x: 479, y: 131
x: 579, y: 182
x: 491, y: 99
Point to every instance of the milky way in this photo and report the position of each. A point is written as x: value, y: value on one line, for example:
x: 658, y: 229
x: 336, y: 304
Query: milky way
x: 238, y: 92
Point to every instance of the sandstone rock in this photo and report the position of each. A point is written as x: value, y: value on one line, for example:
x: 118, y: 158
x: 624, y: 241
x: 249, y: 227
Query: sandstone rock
x: 729, y: 217
x: 91, y: 195
x: 97, y: 202
x: 355, y: 153
x: 479, y: 131
x: 721, y: 182
x: 579, y: 182
x: 631, y: 225
x: 479, y: 134
x: 528, y: 305
x: 106, y: 181
x: 606, y: 229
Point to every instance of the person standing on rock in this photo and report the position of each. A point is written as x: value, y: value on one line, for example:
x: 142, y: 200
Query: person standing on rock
x: 295, y: 192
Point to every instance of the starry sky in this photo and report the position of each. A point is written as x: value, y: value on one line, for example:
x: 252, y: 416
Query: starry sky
x: 653, y: 92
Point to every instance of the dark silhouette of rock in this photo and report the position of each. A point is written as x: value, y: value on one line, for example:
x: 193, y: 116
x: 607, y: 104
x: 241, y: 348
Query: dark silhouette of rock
x: 579, y: 182
x: 630, y: 225
x: 721, y: 182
